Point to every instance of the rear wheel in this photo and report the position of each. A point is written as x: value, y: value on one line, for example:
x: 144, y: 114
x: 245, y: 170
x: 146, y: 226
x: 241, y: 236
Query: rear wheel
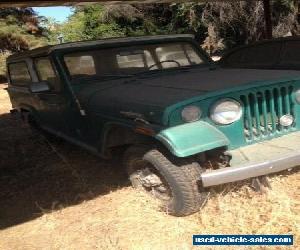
x: 172, y: 180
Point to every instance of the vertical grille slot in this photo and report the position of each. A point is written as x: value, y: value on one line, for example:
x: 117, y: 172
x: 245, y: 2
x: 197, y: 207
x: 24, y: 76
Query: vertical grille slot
x: 263, y: 109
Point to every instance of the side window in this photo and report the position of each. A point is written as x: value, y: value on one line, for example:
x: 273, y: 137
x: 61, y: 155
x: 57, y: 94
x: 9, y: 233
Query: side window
x: 19, y: 74
x: 46, y: 72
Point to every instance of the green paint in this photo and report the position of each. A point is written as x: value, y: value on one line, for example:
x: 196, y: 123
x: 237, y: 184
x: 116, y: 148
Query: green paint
x: 235, y: 131
x: 227, y: 92
x: 62, y: 112
x: 192, y: 138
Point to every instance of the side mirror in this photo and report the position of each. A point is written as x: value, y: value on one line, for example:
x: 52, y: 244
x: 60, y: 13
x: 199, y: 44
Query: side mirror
x: 39, y: 87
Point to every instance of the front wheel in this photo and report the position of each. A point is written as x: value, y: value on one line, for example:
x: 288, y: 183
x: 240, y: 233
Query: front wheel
x: 172, y: 180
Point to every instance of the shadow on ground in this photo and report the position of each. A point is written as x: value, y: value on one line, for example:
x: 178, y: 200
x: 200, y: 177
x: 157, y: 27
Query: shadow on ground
x: 39, y: 174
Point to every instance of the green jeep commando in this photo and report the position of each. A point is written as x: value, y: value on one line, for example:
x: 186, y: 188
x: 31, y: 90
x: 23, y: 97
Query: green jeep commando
x: 184, y: 124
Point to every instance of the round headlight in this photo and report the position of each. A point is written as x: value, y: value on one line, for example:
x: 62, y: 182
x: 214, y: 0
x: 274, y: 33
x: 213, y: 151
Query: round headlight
x: 226, y: 111
x: 297, y: 96
x: 191, y: 113
x: 286, y: 120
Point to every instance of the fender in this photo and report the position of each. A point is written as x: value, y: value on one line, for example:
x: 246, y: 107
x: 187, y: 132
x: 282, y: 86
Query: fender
x: 122, y: 134
x: 192, y: 138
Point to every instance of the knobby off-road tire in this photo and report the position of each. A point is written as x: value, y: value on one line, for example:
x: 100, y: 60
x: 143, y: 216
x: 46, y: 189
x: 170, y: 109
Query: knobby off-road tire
x: 179, y: 175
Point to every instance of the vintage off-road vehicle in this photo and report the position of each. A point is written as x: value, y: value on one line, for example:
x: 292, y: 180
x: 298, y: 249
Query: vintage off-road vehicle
x: 185, y: 125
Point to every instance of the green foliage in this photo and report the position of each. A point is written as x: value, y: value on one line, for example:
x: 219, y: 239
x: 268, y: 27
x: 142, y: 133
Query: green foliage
x: 72, y: 30
x: 19, y: 30
x: 98, y: 25
x: 218, y: 25
x: 98, y: 21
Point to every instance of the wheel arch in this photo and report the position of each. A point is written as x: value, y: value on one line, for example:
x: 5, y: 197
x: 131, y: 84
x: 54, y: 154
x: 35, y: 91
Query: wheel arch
x: 116, y: 134
x: 29, y: 111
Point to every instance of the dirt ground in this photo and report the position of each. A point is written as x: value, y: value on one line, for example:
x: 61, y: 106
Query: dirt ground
x: 56, y: 196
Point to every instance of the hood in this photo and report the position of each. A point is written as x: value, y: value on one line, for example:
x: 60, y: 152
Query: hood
x: 153, y: 93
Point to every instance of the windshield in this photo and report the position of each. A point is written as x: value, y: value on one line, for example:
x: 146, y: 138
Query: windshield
x: 132, y: 59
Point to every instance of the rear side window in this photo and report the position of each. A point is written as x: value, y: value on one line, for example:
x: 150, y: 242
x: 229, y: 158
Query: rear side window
x: 19, y: 74
x: 46, y: 72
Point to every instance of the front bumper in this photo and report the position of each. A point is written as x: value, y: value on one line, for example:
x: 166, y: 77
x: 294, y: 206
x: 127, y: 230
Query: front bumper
x: 257, y: 160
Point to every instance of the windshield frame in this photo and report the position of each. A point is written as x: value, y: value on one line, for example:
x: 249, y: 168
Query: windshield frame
x: 207, y: 62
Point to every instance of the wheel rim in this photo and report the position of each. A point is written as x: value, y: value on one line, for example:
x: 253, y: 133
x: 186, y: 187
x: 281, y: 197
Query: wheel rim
x: 146, y: 177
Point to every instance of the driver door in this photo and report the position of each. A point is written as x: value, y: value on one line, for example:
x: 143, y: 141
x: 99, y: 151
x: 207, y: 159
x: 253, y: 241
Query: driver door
x: 53, y: 103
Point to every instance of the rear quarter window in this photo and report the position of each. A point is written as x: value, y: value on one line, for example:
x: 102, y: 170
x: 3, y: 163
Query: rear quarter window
x: 19, y: 74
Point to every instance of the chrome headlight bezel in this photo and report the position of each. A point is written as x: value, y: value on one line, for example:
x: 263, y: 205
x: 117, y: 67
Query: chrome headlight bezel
x: 218, y: 121
x: 191, y: 113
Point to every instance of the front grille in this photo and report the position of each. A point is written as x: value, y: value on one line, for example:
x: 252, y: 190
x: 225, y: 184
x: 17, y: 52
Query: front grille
x: 262, y: 110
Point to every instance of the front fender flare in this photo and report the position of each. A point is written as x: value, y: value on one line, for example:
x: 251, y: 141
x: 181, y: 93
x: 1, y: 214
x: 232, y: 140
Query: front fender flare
x: 192, y: 138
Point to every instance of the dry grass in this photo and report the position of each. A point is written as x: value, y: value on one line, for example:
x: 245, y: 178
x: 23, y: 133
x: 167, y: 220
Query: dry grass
x: 81, y: 202
x: 3, y: 57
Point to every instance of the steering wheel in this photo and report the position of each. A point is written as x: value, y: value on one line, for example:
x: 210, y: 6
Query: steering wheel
x: 165, y: 61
